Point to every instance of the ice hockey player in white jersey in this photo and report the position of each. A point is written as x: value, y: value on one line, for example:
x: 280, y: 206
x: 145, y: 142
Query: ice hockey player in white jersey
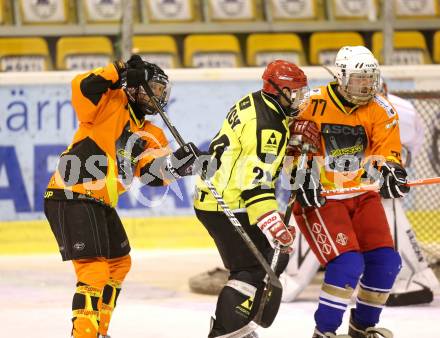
x: 416, y: 282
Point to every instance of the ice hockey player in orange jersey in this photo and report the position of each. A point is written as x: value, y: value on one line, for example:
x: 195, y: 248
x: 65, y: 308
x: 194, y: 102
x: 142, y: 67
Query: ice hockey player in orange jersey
x: 114, y: 143
x: 349, y: 234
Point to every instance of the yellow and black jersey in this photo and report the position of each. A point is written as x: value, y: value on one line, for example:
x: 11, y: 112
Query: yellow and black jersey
x: 248, y: 152
x: 111, y: 145
x: 352, y: 135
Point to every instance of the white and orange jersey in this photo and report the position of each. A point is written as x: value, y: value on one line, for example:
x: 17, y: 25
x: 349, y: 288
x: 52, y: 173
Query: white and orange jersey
x: 351, y: 137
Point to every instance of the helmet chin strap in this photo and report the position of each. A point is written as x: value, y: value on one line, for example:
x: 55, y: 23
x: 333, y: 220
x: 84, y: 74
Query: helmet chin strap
x: 288, y: 111
x: 278, y: 89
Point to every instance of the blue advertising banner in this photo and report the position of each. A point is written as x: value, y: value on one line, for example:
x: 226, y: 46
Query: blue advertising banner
x: 37, y: 122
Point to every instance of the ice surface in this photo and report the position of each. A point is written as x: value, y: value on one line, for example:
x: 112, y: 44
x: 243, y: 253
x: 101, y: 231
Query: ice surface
x: 36, y: 292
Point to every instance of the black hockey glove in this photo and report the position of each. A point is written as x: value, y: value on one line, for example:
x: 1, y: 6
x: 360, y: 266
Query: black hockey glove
x: 308, y: 188
x: 394, y: 176
x: 139, y: 71
x: 136, y: 72
x: 185, y: 161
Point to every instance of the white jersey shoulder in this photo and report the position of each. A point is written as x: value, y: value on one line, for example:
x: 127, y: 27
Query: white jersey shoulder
x: 385, y: 104
x: 404, y: 108
x: 410, y: 124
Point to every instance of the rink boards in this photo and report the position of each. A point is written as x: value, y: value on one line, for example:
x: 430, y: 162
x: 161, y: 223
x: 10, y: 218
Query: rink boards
x: 28, y: 237
x: 178, y: 232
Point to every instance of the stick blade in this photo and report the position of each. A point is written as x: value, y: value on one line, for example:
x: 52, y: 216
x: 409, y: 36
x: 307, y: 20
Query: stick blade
x: 271, y: 301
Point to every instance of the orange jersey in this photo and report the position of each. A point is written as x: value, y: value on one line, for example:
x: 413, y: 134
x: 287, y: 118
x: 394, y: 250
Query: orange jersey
x: 110, y: 146
x: 351, y: 136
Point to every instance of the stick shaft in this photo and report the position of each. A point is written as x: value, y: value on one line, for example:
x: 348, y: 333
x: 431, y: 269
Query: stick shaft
x: 375, y: 187
x: 273, y: 279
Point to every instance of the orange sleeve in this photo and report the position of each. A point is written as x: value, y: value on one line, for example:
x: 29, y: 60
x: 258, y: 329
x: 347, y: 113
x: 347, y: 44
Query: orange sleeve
x: 89, y: 89
x: 385, y: 135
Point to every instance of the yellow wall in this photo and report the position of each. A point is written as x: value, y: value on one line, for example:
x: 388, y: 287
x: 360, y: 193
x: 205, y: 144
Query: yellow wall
x: 25, y: 237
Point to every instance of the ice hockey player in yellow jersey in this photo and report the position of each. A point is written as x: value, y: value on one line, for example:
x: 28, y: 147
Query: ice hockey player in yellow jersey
x: 247, y: 155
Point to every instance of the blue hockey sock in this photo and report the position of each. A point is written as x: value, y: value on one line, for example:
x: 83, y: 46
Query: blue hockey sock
x: 381, y: 268
x: 341, y: 277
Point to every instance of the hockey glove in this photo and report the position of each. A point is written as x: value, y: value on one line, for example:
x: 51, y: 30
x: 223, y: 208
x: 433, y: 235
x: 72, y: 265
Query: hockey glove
x: 303, y: 132
x: 275, y: 230
x: 308, y: 188
x: 184, y: 161
x: 394, y: 181
x: 136, y: 72
x: 139, y: 71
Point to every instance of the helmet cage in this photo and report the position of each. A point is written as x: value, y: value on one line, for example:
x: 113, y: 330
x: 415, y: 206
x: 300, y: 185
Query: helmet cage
x: 160, y: 88
x: 298, y: 101
x: 359, y: 86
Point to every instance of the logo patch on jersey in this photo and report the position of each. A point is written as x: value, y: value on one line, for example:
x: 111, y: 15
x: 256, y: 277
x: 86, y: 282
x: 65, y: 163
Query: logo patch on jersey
x: 127, y: 160
x: 316, y: 91
x: 392, y: 124
x: 270, y: 141
x: 385, y: 105
x: 245, y: 103
x: 344, y: 146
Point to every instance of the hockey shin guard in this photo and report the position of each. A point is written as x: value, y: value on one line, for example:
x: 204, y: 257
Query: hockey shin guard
x: 341, y: 277
x: 234, y: 307
x: 107, y: 305
x: 85, y: 314
x: 119, y: 267
x: 92, y: 275
x: 381, y: 268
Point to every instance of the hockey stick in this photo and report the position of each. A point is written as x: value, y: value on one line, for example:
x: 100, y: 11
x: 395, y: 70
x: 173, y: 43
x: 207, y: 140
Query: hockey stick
x: 274, y: 282
x: 270, y: 300
x: 269, y: 303
x: 376, y: 187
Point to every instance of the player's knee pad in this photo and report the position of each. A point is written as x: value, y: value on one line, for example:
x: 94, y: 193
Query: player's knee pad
x: 92, y: 271
x: 255, y: 279
x: 119, y: 267
x: 345, y: 269
x: 234, y: 307
x: 382, y: 266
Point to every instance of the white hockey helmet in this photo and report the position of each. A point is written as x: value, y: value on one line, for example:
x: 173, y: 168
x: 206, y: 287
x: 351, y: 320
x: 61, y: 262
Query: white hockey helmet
x: 358, y: 74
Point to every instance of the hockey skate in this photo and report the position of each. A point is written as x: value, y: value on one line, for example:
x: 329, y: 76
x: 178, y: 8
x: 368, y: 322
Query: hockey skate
x: 356, y: 331
x: 319, y: 334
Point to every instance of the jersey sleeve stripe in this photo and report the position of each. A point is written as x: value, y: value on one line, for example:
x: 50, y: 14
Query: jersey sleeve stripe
x: 258, y: 200
x: 256, y: 192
